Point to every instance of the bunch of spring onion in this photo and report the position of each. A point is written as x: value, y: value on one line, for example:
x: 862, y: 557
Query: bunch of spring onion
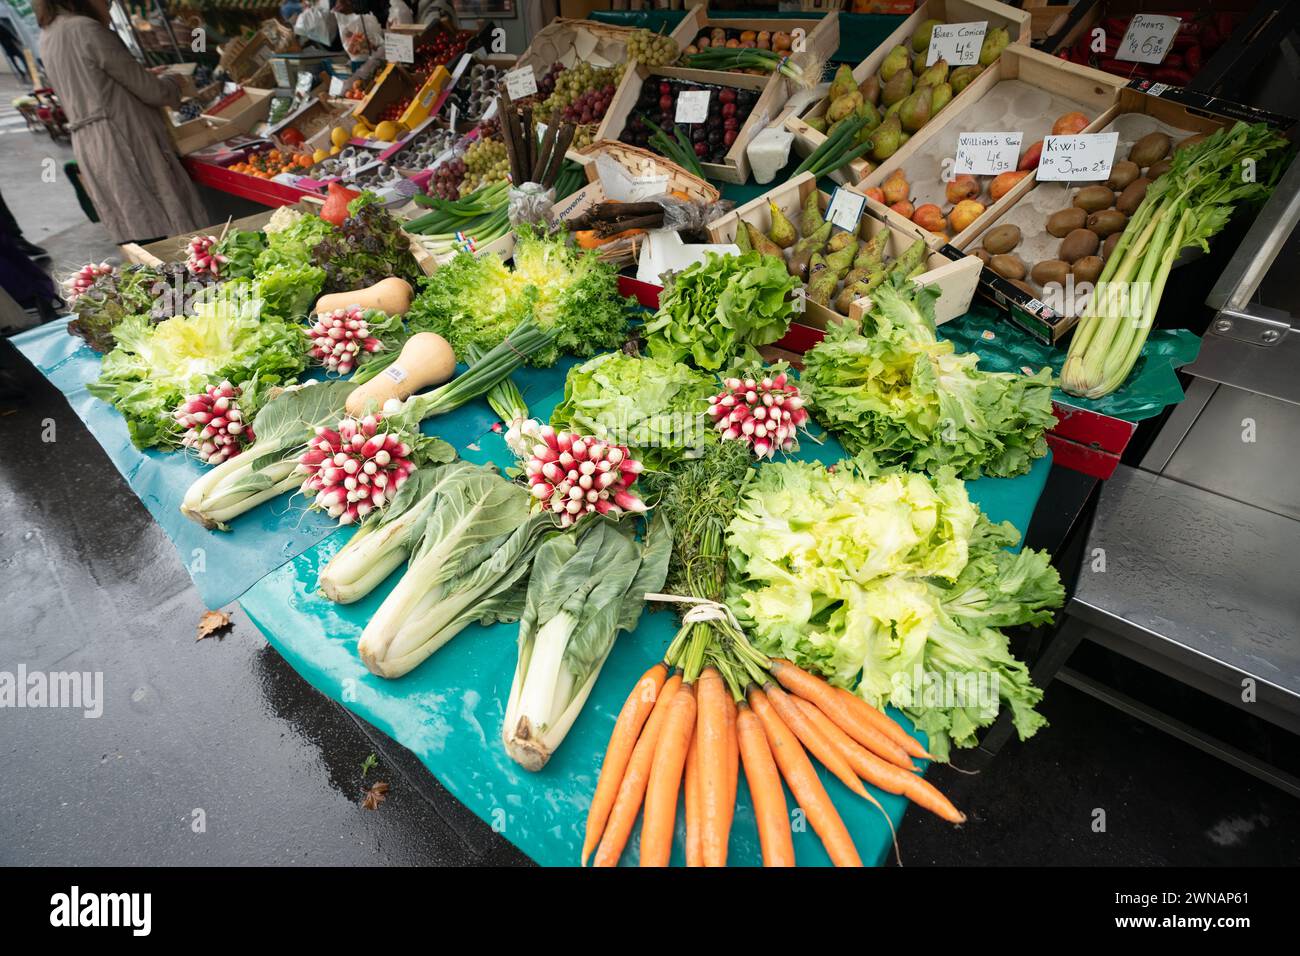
x: 805, y: 68
x: 463, y: 224
x: 676, y: 146
x: 285, y: 425
x: 1191, y: 202
x: 504, y: 397
x: 837, y: 149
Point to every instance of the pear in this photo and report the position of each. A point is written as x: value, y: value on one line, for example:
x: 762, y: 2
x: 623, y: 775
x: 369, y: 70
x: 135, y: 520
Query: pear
x: 918, y: 63
x: 810, y: 217
x: 817, y: 122
x: 896, y: 88
x: 934, y: 75
x: 816, y: 263
x: 961, y: 77
x: 995, y: 41
x: 872, y: 115
x: 895, y: 61
x: 839, y: 241
x: 921, y: 35
x: 844, y: 106
x: 940, y: 97
x: 871, y: 254
x: 822, y: 286
x: 742, y: 239
x: 841, y: 260
x: 870, y: 89
x: 842, y: 83
x: 886, y: 139
x: 760, y: 242
x: 782, y: 231
x: 803, y: 251
x: 915, y: 111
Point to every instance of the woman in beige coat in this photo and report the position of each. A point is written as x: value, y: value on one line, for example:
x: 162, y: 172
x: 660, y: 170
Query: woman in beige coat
x: 119, y: 135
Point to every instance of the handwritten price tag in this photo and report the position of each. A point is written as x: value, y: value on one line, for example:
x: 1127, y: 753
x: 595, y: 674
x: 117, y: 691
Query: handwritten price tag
x: 958, y: 43
x: 1148, y: 38
x: 1087, y: 156
x: 845, y: 209
x: 987, y: 154
x: 399, y: 48
x: 336, y: 85
x: 692, y: 106
x: 521, y: 82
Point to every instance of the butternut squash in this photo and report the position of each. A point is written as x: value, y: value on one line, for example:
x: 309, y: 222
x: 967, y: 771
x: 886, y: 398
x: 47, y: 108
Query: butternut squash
x: 426, y: 359
x: 392, y: 296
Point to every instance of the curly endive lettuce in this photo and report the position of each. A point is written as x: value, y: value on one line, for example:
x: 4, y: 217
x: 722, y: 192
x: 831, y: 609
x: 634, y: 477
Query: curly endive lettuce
x: 289, y: 242
x: 476, y: 301
x: 894, y: 585
x: 288, y: 291
x: 718, y: 310
x: 154, y: 366
x: 654, y: 406
x: 898, y: 392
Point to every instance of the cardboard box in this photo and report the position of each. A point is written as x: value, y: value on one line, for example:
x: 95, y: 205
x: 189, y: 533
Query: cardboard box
x: 807, y: 139
x: 395, y: 83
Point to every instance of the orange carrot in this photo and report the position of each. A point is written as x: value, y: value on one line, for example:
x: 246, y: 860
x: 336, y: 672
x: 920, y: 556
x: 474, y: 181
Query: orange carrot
x: 764, y: 790
x: 804, y: 784
x: 813, y: 740
x: 627, y: 728
x: 694, y: 855
x: 660, y: 815
x: 733, y: 763
x: 881, y: 773
x: 627, y: 804
x: 856, y: 721
x: 711, y: 741
x: 884, y: 723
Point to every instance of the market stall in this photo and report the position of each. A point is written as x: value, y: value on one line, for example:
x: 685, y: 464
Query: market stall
x: 707, y: 380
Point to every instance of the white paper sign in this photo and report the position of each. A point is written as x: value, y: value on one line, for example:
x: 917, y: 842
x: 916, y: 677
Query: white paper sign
x: 399, y: 47
x: 521, y: 82
x: 541, y: 132
x: 453, y: 114
x: 336, y: 85
x: 845, y: 209
x: 692, y: 106
x: 1084, y: 157
x: 1148, y: 38
x: 987, y: 154
x: 457, y: 73
x: 958, y: 43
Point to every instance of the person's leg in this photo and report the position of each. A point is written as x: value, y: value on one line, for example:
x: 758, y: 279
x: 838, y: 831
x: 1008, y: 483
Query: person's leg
x: 9, y: 226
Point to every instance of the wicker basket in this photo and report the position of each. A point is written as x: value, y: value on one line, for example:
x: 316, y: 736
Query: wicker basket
x: 554, y: 41
x: 643, y: 162
x: 279, y: 36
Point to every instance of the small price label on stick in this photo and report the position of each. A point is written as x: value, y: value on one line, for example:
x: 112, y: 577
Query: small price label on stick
x: 845, y: 209
x: 336, y: 85
x: 958, y: 43
x: 1083, y: 157
x: 692, y: 106
x: 399, y: 47
x: 987, y: 154
x: 1148, y: 38
x: 521, y: 82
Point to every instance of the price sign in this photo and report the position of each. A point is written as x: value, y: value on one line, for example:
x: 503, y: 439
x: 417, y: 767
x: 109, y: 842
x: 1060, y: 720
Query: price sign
x: 987, y: 154
x: 692, y: 106
x: 521, y: 82
x: 399, y: 47
x: 453, y: 113
x: 1148, y: 38
x: 845, y: 209
x: 1087, y: 156
x: 336, y: 85
x: 958, y: 43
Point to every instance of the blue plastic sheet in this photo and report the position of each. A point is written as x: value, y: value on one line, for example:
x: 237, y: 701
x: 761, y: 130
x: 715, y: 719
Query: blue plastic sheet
x: 223, y: 565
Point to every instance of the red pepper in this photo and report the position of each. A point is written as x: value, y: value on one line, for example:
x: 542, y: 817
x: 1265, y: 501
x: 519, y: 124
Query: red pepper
x: 1192, y: 59
x: 1173, y: 59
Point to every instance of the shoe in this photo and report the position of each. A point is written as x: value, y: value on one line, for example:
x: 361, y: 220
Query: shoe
x: 47, y: 310
x: 31, y: 249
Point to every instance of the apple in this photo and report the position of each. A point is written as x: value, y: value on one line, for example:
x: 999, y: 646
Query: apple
x: 965, y: 186
x: 896, y: 188
x: 1029, y: 160
x: 903, y: 208
x: 1069, y: 124
x: 931, y: 217
x: 965, y: 213
x: 878, y: 194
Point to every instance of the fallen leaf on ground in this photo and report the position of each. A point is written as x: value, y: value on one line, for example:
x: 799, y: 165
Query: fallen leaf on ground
x: 211, y: 622
x: 375, y: 796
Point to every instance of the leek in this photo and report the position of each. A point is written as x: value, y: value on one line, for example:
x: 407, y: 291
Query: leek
x: 585, y: 587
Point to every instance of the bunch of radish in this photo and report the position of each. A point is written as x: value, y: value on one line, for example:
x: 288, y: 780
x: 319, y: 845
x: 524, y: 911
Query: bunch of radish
x: 763, y: 413
x: 214, y: 423
x: 573, y: 475
x: 203, y: 257
x: 354, y: 469
x: 85, y: 277
x: 338, y: 338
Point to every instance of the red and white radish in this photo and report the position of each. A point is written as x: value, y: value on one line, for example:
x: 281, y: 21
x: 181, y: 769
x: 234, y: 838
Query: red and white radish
x: 354, y: 469
x: 81, y: 280
x: 339, y: 338
x: 214, y: 423
x: 203, y: 257
x: 573, y: 475
x: 764, y: 413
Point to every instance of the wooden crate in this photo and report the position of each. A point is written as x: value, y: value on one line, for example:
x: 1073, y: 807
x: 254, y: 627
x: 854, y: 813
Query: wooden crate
x: 807, y: 139
x: 1045, y: 16
x: 735, y: 165
x: 820, y: 36
x: 644, y: 162
x: 955, y: 279
x: 1066, y: 86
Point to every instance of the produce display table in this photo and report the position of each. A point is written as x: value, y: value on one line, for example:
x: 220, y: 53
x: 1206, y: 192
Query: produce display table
x: 264, y: 191
x: 449, y: 710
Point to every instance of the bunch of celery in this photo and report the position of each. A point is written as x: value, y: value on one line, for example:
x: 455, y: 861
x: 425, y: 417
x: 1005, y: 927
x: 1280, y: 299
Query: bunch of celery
x: 1184, y: 207
x: 584, y: 588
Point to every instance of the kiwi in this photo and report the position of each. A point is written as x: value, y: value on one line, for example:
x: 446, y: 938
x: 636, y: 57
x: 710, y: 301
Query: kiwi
x: 1050, y: 271
x: 1093, y: 198
x: 982, y: 255
x: 1132, y: 196
x: 1156, y: 170
x: 1105, y: 221
x: 1061, y: 224
x: 1122, y: 173
x: 1109, y: 245
x: 1087, y: 269
x: 1002, y: 239
x: 1151, y: 148
x: 1024, y: 287
x: 1190, y: 141
x: 1079, y: 243
x: 1008, y: 266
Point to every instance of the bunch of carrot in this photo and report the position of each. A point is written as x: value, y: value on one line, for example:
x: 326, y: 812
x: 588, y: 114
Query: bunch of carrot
x: 715, y: 704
